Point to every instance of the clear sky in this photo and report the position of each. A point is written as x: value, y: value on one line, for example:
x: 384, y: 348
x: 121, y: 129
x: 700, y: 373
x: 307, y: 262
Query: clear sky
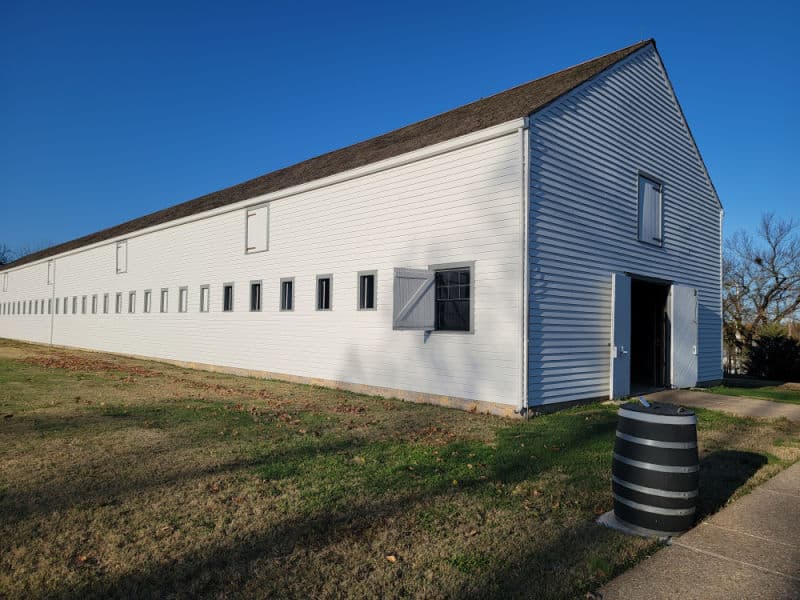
x: 111, y: 110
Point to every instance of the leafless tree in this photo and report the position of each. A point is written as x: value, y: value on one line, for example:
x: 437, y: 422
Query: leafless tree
x: 761, y: 281
x: 6, y: 254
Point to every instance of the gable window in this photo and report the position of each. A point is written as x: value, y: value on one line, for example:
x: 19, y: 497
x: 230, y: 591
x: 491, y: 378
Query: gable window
x: 255, y: 296
x: 651, y: 211
x: 205, y: 298
x: 122, y: 256
x: 148, y: 301
x: 257, y: 229
x: 5, y: 282
x: 227, y: 297
x: 366, y: 290
x: 453, y: 299
x: 287, y: 293
x: 51, y: 272
x: 94, y: 304
x: 131, y: 302
x: 183, y: 299
x: 324, y: 284
x: 164, y: 306
x: 118, y: 305
x: 105, y: 304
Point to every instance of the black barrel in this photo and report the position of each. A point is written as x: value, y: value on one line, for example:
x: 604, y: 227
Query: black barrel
x: 656, y: 471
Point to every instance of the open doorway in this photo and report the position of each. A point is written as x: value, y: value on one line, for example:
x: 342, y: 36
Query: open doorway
x: 650, y: 336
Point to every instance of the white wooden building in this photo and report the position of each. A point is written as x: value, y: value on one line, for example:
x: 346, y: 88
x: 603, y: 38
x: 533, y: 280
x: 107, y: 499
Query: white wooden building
x: 556, y: 242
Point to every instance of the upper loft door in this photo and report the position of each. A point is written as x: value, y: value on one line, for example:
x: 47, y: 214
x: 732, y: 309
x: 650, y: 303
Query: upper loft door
x: 620, y: 335
x: 683, y: 315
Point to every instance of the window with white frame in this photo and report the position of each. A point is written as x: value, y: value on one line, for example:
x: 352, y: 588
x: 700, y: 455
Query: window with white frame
x: 51, y: 272
x: 94, y: 304
x: 651, y: 211
x: 183, y: 299
x: 83, y: 305
x: 366, y: 290
x: 105, y: 304
x: 118, y: 303
x: 58, y: 301
x: 148, y: 301
x: 131, y: 302
x: 287, y: 293
x: 324, y: 284
x: 257, y: 229
x: 122, y: 256
x: 74, y: 305
x: 205, y: 298
x: 164, y: 301
x: 255, y: 296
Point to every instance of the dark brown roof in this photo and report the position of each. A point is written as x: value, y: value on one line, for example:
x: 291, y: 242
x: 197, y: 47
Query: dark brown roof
x: 511, y: 104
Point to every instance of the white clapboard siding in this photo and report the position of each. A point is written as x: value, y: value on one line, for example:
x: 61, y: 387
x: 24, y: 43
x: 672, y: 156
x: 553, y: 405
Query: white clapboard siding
x: 587, y: 151
x: 459, y: 206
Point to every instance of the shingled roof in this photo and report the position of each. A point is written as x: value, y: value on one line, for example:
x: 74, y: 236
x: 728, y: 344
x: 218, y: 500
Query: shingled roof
x: 511, y: 104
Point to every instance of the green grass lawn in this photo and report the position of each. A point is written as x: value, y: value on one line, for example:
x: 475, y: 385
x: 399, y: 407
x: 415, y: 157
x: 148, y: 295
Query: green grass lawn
x: 779, y: 393
x: 126, y: 478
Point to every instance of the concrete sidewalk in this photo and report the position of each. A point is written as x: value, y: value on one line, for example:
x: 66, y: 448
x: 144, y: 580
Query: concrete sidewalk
x: 735, y: 405
x: 750, y: 549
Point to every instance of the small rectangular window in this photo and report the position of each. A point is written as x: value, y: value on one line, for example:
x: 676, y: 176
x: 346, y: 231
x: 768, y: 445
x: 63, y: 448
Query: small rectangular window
x: 148, y: 301
x: 366, y: 290
x: 94, y: 304
x: 131, y: 302
x: 5, y: 282
x: 205, y: 298
x: 324, y: 283
x: 454, y: 299
x: 51, y: 272
x: 164, y: 303
x: 650, y: 211
x: 183, y: 299
x: 287, y: 293
x: 122, y: 256
x: 118, y: 305
x: 257, y: 229
x: 227, y: 297
x: 105, y: 304
x: 83, y: 305
x: 74, y: 305
x: 58, y: 301
x: 35, y: 307
x: 255, y: 296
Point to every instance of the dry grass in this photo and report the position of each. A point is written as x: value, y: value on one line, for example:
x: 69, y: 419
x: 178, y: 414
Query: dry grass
x: 127, y: 478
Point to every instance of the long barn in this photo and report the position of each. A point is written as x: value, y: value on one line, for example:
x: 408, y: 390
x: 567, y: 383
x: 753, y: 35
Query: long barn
x: 556, y: 242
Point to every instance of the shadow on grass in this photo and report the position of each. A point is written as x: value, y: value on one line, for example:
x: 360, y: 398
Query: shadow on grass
x: 722, y: 473
x: 522, y: 452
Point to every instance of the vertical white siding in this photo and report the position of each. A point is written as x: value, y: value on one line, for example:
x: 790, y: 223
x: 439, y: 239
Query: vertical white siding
x: 462, y: 205
x: 587, y: 151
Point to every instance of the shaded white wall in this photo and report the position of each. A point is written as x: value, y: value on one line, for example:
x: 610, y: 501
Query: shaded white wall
x: 587, y: 150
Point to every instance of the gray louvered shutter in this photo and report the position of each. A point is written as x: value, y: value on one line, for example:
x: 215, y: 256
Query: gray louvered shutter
x: 414, y: 299
x: 649, y: 211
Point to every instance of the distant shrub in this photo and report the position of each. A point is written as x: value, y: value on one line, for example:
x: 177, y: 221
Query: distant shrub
x: 774, y: 355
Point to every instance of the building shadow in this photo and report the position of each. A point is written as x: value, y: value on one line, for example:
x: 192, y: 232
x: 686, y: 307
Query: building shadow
x: 722, y: 473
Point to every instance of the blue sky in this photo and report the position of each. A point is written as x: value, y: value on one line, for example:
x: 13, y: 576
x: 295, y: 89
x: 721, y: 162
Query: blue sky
x: 111, y: 110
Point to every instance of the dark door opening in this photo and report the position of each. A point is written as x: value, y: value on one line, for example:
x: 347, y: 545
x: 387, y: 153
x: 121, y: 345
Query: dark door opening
x: 649, y: 336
